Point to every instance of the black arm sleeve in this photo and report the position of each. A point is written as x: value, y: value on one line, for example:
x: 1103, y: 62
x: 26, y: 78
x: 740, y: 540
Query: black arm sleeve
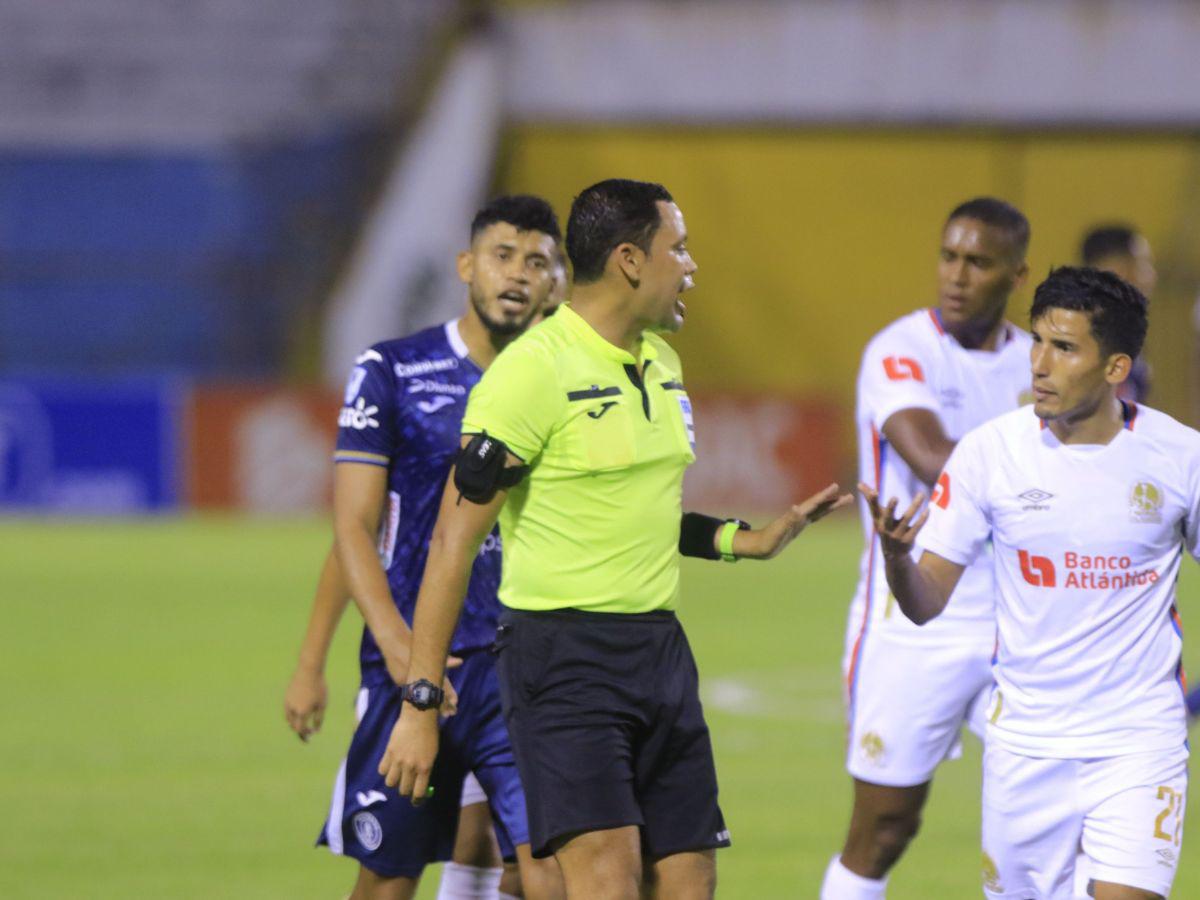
x: 697, y: 535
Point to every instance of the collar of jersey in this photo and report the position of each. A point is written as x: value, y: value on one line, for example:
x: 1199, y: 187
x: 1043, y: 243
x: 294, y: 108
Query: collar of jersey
x: 455, y: 339
x: 579, y: 326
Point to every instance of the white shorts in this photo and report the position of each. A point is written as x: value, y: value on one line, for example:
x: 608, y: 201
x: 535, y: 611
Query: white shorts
x: 1124, y: 812
x: 472, y: 791
x: 907, y: 703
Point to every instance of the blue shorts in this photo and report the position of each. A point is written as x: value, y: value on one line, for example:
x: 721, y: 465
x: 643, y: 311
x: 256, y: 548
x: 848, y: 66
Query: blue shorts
x: 388, y: 835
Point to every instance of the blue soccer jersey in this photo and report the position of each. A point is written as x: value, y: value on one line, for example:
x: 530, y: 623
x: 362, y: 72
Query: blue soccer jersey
x: 403, y: 410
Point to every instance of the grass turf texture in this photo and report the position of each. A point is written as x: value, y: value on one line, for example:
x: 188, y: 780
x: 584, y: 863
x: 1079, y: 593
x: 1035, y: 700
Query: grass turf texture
x: 143, y: 751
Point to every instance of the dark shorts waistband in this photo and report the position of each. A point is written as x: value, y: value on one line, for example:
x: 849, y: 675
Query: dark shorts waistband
x: 583, y: 615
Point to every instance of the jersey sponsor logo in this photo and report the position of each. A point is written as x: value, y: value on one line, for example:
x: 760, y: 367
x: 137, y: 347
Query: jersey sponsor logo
x: 1037, y: 570
x: 1101, y: 572
x: 368, y: 356
x: 491, y: 544
x: 722, y: 835
x: 1085, y: 571
x: 368, y: 830
x: 354, y: 384
x: 367, y: 798
x: 358, y: 416
x: 604, y: 407
x: 941, y: 491
x: 425, y: 386
x: 902, y: 368
x: 424, y: 367
x: 1145, y: 502
x: 1035, y: 498
x: 433, y: 404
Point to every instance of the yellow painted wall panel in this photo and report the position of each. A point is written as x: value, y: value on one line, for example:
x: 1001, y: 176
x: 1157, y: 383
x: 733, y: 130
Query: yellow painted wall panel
x: 810, y: 240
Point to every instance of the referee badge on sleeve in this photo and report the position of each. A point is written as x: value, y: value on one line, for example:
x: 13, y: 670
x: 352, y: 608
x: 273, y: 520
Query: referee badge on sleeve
x: 685, y: 406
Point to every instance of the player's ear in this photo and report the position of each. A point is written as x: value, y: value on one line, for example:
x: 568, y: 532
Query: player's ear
x: 1022, y: 276
x: 465, y: 264
x: 628, y: 258
x: 1117, y: 368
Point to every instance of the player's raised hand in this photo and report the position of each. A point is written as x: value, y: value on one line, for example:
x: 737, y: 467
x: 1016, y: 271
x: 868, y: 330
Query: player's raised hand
x: 768, y: 541
x: 304, y: 701
x: 411, y: 749
x: 896, y: 533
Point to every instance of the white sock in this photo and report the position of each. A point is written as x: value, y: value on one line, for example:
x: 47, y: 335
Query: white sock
x: 461, y: 882
x: 842, y: 884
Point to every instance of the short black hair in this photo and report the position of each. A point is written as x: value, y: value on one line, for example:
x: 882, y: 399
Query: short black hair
x: 608, y: 214
x: 1117, y: 310
x: 999, y: 214
x: 523, y: 211
x: 1107, y: 240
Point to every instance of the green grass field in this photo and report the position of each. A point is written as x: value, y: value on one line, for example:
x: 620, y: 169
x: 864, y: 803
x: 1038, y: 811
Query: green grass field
x: 143, y: 752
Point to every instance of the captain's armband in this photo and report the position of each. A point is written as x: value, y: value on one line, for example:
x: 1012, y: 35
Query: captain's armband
x: 480, y: 471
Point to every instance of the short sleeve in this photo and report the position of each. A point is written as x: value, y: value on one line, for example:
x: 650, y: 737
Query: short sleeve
x: 894, y: 377
x: 959, y: 516
x: 1191, y: 525
x: 368, y: 422
x: 518, y: 400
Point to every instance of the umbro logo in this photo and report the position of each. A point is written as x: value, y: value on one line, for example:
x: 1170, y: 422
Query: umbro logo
x: 1035, y: 498
x: 605, y: 407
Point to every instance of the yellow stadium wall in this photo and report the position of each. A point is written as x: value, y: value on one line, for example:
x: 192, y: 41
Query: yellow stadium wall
x: 810, y: 240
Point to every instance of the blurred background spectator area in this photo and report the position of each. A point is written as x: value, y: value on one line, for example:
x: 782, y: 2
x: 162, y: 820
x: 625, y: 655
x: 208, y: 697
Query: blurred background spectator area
x: 207, y: 208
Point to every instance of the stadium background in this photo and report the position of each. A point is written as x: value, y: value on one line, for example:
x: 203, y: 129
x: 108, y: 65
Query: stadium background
x: 204, y: 209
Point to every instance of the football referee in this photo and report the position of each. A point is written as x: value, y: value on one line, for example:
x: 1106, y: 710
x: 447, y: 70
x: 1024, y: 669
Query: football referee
x: 577, y: 438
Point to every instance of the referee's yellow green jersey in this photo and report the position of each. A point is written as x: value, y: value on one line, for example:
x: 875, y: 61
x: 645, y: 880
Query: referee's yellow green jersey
x: 595, y: 525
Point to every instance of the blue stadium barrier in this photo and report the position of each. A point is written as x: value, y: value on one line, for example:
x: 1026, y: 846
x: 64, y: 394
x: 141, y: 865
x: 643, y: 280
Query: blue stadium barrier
x: 90, y: 447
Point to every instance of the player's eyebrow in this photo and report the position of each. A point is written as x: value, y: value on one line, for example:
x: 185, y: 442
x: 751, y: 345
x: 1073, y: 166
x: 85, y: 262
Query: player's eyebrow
x: 682, y: 240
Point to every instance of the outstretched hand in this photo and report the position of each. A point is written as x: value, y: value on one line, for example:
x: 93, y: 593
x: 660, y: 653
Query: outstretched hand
x: 896, y: 534
x: 768, y: 541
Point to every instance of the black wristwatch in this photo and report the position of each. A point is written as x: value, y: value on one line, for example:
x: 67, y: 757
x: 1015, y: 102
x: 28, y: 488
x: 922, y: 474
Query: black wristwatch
x: 424, y: 694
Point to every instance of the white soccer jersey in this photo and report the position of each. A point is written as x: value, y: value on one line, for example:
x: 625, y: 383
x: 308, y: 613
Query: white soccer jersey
x: 915, y: 364
x: 1087, y: 543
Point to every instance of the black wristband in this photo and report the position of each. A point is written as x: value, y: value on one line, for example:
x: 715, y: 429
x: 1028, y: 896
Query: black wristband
x: 698, y: 535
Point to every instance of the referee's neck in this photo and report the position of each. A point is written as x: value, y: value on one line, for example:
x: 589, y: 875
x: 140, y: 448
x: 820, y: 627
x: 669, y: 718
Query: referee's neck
x: 610, y: 315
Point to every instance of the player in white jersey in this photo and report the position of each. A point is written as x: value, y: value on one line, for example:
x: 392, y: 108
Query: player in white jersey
x: 1089, y: 503
x: 925, y: 381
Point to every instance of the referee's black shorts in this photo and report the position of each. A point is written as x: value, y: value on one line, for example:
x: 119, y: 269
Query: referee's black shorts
x: 604, y: 715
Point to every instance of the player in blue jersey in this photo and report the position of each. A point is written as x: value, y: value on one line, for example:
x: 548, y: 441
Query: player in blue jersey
x: 398, y: 435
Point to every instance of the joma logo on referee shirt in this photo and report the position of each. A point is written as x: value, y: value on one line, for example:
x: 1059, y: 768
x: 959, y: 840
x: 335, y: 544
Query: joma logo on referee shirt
x: 597, y: 413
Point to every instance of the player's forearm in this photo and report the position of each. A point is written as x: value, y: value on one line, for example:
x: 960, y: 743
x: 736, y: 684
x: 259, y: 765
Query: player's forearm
x: 329, y: 603
x: 368, y: 585
x: 439, y: 603
x: 919, y: 596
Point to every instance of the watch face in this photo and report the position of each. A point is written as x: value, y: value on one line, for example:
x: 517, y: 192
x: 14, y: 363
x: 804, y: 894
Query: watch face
x: 422, y: 694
